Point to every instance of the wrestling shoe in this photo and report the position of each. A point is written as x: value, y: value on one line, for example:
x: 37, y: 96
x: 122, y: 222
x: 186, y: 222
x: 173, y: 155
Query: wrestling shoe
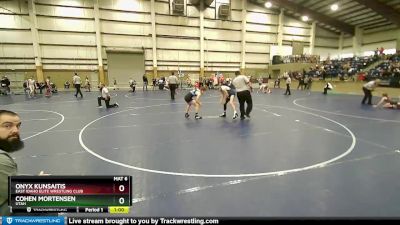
x: 235, y: 116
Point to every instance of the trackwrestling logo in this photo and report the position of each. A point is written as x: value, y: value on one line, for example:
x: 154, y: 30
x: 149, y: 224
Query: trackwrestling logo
x: 23, y: 220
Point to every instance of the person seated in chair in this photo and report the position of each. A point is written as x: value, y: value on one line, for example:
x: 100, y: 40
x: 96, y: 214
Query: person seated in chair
x: 53, y: 88
x: 132, y: 84
x: 277, y: 82
x: 161, y: 84
x: 66, y: 85
x: 4, y: 85
x: 40, y: 86
x: 25, y: 86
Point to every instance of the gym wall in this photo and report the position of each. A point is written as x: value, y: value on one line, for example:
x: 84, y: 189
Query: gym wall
x: 67, y: 36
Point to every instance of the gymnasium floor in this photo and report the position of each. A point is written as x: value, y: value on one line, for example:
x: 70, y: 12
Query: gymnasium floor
x: 298, y: 156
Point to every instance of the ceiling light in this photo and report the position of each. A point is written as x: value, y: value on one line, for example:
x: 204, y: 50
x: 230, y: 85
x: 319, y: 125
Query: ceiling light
x: 334, y: 7
x: 304, y: 18
x: 268, y: 4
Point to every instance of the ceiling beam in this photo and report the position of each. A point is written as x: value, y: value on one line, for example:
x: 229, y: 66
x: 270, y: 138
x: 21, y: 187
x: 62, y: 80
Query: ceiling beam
x: 292, y: 6
x: 382, y: 9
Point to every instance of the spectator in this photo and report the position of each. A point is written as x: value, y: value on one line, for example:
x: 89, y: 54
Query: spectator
x: 381, y: 51
x: 145, y: 82
x: 301, y: 82
x: 66, y: 85
x: 328, y: 86
x: 161, y: 84
x: 48, y: 87
x: 189, y: 82
x: 277, y: 82
x: 25, y: 86
x: 115, y: 84
x: 260, y: 81
x: 309, y: 84
x: 53, y: 87
x: 288, y: 82
x: 87, y: 83
x: 8, y: 83
x: 5, y: 85
x: 154, y: 83
x: 32, y: 87
x: 40, y: 86
x: 132, y: 84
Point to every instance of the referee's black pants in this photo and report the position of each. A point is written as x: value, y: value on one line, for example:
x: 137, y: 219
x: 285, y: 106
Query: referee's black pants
x: 287, y: 89
x: 367, y: 95
x: 172, y: 88
x: 245, y: 97
x: 78, y: 90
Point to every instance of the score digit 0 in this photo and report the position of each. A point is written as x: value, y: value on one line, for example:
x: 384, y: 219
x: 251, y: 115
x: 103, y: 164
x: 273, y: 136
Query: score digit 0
x: 121, y: 200
x: 121, y: 188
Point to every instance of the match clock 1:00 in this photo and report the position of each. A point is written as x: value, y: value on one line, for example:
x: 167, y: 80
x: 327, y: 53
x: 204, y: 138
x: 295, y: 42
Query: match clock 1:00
x: 118, y: 210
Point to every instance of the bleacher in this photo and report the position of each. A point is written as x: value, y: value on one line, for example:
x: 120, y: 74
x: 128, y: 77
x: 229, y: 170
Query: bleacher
x: 388, y: 72
x: 348, y: 66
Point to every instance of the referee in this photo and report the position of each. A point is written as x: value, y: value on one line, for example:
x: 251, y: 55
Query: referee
x: 243, y: 87
x: 172, y: 84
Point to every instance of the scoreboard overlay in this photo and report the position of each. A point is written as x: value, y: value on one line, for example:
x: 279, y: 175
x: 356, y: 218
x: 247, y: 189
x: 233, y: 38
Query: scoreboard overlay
x: 95, y: 194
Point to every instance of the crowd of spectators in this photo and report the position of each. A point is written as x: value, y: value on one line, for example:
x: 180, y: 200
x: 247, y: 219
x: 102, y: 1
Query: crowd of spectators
x: 40, y: 86
x: 213, y: 81
x: 388, y: 71
x: 355, y: 68
x: 346, y: 67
